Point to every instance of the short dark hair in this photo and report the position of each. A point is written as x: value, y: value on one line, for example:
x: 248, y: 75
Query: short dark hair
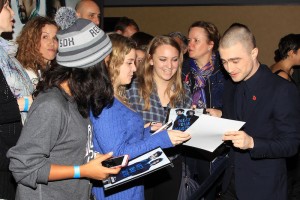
x: 158, y: 153
x: 179, y: 109
x: 156, y: 161
x: 286, y: 44
x: 142, y: 40
x: 238, y: 33
x: 125, y: 22
x: 190, y: 111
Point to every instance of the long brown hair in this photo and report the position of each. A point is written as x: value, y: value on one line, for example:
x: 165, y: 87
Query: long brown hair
x: 29, y: 41
x: 146, y: 82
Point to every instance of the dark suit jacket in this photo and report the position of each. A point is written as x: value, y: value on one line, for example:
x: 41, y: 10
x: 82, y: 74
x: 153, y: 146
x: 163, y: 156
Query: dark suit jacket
x: 273, y: 121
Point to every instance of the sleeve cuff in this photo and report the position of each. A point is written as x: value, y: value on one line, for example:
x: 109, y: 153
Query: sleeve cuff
x: 43, y: 174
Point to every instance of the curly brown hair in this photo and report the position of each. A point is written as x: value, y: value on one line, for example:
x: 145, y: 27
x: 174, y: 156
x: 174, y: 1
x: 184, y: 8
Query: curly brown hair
x: 29, y: 43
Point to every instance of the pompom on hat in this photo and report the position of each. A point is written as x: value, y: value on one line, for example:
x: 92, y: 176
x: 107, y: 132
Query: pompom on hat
x: 81, y: 43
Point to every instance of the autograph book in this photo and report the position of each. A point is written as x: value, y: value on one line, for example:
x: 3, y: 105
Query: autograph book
x: 138, y: 167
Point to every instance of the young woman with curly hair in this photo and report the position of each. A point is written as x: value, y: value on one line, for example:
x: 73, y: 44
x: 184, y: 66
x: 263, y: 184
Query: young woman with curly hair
x: 37, y: 46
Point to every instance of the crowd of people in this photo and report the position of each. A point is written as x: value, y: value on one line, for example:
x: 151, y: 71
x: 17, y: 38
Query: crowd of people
x: 72, y: 96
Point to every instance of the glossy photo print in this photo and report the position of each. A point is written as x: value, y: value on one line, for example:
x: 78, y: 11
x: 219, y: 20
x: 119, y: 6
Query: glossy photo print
x: 27, y: 9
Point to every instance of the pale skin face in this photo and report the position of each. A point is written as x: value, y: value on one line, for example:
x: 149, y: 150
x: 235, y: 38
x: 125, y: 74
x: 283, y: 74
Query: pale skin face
x: 89, y: 10
x: 295, y: 56
x: 127, y: 69
x: 165, y: 61
x: 239, y: 62
x: 129, y: 31
x: 199, y: 47
x: 48, y: 43
x: 6, y: 18
x: 140, y: 57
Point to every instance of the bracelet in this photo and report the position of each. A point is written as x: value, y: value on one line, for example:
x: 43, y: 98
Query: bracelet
x: 76, y: 171
x: 26, y: 104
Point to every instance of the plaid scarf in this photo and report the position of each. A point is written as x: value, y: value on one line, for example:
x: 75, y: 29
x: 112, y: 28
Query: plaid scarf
x: 201, y: 76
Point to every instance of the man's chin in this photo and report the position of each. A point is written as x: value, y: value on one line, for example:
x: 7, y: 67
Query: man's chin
x: 236, y: 79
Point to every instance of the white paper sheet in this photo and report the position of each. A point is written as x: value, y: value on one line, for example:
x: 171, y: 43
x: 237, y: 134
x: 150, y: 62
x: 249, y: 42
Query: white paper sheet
x: 207, y: 131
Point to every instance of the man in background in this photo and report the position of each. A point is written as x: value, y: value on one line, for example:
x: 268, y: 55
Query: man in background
x: 88, y: 9
x: 126, y: 27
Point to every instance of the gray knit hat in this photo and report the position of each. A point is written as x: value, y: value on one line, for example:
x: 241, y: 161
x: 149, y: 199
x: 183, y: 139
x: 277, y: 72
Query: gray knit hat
x: 81, y: 43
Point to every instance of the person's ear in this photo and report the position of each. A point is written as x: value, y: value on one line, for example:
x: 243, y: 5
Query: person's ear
x: 78, y: 15
x: 150, y: 58
x: 119, y: 32
x: 151, y: 62
x: 254, y: 53
x: 106, y: 60
x: 290, y: 53
x: 210, y: 45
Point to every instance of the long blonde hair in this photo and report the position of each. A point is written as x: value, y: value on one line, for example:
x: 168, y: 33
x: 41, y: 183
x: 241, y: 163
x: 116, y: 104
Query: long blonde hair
x: 121, y: 46
x: 146, y: 82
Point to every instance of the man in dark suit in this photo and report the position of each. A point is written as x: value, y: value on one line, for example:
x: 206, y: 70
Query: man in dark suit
x: 270, y: 107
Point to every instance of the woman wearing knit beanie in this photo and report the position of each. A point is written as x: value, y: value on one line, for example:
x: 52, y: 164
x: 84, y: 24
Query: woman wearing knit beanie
x: 54, y: 157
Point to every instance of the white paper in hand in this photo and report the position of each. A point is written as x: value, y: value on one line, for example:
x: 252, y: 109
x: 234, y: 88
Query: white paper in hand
x: 207, y: 131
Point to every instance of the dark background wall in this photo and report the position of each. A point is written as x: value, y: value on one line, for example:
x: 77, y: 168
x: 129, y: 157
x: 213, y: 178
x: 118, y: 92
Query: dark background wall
x: 268, y: 22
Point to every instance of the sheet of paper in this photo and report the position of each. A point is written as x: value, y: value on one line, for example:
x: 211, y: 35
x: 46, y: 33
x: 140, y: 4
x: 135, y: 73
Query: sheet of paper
x: 207, y: 131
